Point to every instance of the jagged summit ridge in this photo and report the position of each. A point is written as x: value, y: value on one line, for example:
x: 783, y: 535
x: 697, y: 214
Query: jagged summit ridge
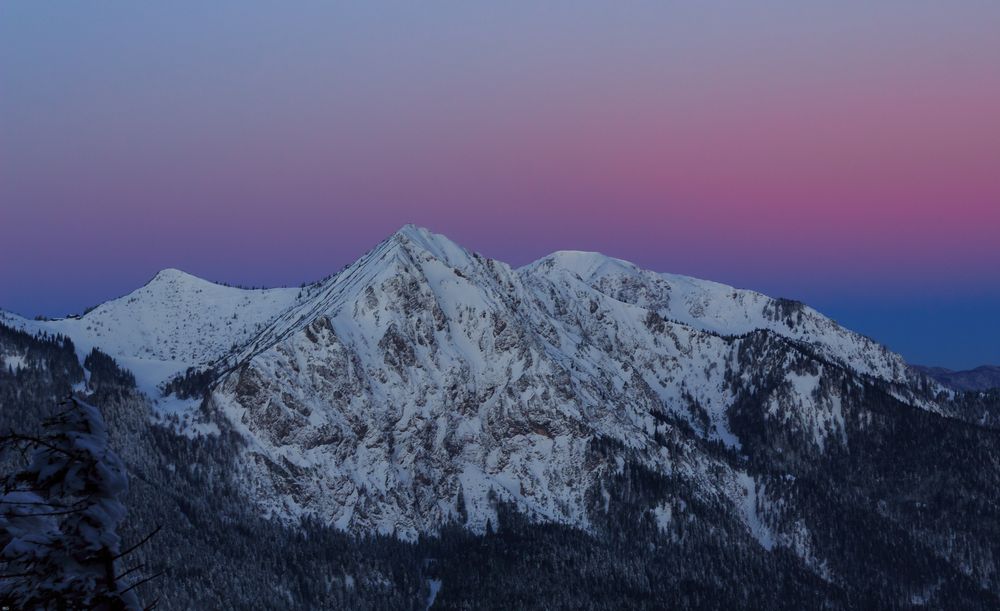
x: 423, y: 374
x: 412, y: 252
x: 719, y: 308
x: 433, y: 244
x: 426, y: 387
x: 178, y: 320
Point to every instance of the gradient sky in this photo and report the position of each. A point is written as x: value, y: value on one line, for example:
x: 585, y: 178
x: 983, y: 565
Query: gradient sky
x: 843, y: 153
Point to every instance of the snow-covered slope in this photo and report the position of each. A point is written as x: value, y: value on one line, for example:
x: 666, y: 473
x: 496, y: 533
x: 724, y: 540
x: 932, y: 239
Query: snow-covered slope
x: 722, y: 309
x: 424, y: 384
x: 173, y: 322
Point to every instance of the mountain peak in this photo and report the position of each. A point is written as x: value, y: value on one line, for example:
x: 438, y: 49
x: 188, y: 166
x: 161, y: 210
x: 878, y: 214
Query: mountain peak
x: 419, y: 239
x: 172, y: 274
x: 581, y: 262
x: 411, y: 230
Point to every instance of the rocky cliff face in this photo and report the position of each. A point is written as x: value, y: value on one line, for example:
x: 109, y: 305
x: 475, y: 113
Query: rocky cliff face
x: 425, y: 384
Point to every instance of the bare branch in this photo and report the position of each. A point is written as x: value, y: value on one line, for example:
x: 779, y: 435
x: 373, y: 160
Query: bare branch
x: 139, y: 583
x: 51, y: 513
x: 135, y: 568
x: 140, y: 543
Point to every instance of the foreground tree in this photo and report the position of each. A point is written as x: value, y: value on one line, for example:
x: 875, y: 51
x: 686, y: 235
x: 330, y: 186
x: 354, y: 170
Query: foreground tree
x: 59, y: 516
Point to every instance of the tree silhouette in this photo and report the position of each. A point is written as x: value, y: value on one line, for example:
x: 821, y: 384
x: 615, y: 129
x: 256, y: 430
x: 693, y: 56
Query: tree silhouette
x: 59, y: 516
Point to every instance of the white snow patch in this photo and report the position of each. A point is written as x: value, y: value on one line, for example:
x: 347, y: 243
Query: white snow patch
x: 14, y: 361
x: 663, y: 513
x: 749, y: 496
x: 434, y: 586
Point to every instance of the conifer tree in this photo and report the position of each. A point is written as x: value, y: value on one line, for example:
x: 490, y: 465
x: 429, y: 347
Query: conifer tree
x: 59, y: 515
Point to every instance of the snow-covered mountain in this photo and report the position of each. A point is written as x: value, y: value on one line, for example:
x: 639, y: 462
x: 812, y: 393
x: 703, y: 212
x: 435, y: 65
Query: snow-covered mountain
x: 426, y: 383
x: 173, y: 322
x: 721, y: 309
x: 425, y: 387
x: 984, y: 377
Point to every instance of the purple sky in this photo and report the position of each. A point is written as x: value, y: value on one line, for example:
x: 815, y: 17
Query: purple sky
x: 846, y: 154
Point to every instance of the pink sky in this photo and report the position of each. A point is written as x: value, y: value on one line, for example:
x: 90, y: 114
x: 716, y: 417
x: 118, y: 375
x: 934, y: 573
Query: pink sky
x: 825, y: 152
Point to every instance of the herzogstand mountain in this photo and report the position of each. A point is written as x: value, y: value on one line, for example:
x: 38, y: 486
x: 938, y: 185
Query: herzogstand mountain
x: 631, y: 438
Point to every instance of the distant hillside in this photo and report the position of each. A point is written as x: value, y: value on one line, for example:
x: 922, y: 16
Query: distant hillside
x: 980, y: 378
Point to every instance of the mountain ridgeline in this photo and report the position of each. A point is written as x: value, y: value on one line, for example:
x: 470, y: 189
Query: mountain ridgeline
x: 985, y: 377
x: 430, y: 427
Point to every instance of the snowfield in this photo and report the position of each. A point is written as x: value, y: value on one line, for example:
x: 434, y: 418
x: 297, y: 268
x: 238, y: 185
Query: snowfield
x: 173, y: 322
